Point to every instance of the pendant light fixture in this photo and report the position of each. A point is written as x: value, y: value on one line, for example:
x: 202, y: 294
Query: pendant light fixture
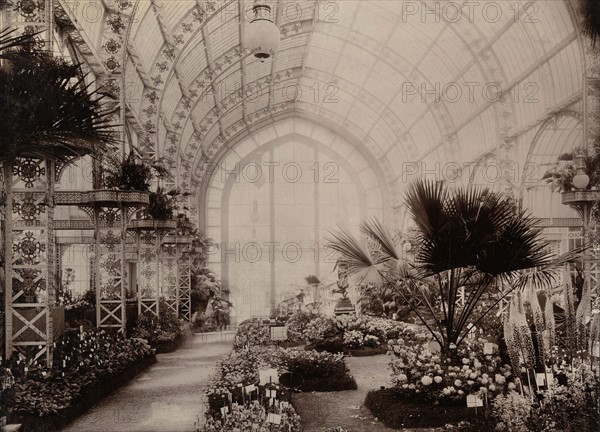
x: 262, y: 35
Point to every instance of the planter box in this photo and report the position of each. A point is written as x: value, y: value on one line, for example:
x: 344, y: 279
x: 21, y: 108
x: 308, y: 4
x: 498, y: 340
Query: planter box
x: 580, y: 196
x: 103, y: 197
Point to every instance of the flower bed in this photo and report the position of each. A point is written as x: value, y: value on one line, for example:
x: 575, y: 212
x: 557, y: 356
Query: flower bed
x: 253, y: 417
x: 355, y: 335
x: 420, y: 374
x: 86, y: 368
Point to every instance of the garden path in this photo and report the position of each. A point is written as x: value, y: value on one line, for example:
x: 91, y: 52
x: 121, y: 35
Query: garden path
x: 345, y: 408
x: 167, y: 397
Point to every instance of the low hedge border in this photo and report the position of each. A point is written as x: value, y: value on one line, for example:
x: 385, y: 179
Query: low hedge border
x: 396, y: 412
x: 90, y: 396
x: 328, y: 384
x: 340, y: 348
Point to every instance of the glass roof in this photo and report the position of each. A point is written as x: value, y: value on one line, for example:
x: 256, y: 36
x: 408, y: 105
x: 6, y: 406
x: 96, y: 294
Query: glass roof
x: 419, y: 81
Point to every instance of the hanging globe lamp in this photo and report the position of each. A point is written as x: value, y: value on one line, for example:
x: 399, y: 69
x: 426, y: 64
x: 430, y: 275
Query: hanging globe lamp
x: 262, y: 35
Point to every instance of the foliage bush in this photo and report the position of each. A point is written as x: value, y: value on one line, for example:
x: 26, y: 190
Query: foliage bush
x: 554, y: 411
x: 312, y: 364
x: 297, y: 323
x: 164, y: 328
x: 252, y: 333
x: 129, y: 175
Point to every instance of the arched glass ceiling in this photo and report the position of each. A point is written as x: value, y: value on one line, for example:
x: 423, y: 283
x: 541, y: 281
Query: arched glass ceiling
x: 405, y: 84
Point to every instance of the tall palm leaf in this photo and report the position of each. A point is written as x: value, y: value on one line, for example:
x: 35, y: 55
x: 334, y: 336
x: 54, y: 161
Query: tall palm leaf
x: 48, y: 111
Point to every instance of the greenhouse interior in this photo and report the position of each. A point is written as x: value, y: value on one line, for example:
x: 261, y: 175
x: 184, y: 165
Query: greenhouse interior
x: 300, y: 215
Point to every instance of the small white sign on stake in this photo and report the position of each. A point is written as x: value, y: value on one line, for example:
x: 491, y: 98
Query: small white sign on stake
x: 488, y: 348
x: 274, y: 418
x: 540, y: 379
x: 474, y: 400
x: 250, y: 388
x: 268, y: 376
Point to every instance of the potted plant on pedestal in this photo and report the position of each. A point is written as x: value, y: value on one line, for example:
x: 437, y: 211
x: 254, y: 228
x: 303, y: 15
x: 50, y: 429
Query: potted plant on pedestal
x: 48, y: 117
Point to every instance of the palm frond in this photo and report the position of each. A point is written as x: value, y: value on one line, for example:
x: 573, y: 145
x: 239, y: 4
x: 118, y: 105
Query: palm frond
x: 384, y: 248
x: 354, y: 257
x: 591, y: 19
x: 48, y: 110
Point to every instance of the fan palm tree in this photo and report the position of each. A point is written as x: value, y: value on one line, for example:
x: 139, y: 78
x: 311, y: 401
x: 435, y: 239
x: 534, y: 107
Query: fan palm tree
x: 471, y: 241
x: 48, y: 111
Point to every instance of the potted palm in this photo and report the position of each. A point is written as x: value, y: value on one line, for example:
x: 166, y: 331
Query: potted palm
x: 471, y: 241
x: 48, y: 116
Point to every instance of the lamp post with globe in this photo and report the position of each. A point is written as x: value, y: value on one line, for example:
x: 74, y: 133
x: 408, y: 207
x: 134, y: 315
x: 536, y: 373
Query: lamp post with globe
x: 583, y: 200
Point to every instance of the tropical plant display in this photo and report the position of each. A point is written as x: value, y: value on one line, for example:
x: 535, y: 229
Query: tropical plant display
x: 48, y: 109
x: 131, y: 173
x: 471, y: 241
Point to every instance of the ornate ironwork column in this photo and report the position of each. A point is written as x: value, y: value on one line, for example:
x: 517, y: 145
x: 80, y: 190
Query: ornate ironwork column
x: 184, y: 279
x: 29, y: 252
x: 150, y: 234
x: 176, y: 274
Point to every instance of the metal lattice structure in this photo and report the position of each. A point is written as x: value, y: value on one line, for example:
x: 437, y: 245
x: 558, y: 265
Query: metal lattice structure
x: 111, y: 223
x: 29, y: 254
x: 168, y: 275
x: 184, y: 281
x: 151, y: 270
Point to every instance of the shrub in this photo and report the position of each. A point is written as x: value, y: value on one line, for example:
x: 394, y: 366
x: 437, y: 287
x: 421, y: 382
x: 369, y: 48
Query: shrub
x: 252, y: 333
x: 297, y: 323
x: 158, y: 329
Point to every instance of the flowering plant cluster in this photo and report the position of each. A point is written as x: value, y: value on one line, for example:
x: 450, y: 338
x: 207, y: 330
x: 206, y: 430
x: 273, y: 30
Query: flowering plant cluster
x: 312, y: 364
x: 252, y: 333
x: 253, y: 417
x: 357, y: 339
x: 421, y: 374
x: 81, y: 361
x: 355, y: 331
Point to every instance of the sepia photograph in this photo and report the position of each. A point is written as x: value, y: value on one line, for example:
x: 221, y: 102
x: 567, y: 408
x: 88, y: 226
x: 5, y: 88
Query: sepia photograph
x: 299, y: 215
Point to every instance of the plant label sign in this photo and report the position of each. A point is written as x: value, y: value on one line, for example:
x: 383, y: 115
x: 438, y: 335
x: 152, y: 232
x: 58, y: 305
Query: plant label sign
x: 274, y: 418
x: 544, y: 379
x: 250, y: 388
x: 474, y: 400
x: 488, y: 348
x: 268, y: 376
x: 279, y: 333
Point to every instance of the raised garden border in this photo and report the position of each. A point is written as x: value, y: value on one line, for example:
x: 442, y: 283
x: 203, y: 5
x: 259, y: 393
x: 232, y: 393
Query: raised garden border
x: 90, y: 396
